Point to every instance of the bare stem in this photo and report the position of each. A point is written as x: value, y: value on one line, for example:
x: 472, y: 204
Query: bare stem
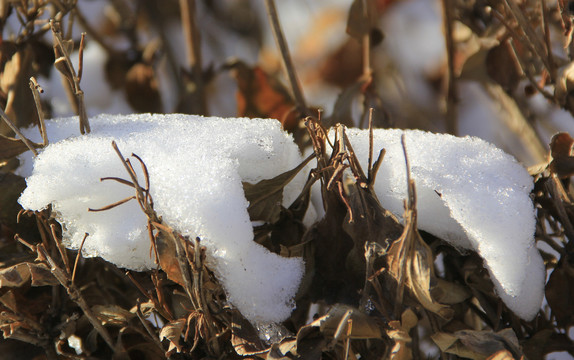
x: 72, y: 77
x: 75, y: 295
x: 286, y: 56
x: 193, y: 52
x: 451, y: 93
x: 78, y: 256
x: 14, y: 128
x: 36, y: 90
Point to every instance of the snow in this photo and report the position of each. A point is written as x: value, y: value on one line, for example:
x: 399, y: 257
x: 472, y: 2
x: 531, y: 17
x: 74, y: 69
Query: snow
x: 196, y: 167
x: 472, y: 195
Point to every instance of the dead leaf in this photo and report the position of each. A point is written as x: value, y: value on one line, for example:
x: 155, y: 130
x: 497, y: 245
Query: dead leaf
x: 563, y: 92
x: 261, y: 95
x: 266, y: 196
x: 560, y: 293
x: 244, y: 338
x: 399, y: 332
x: 411, y: 264
x: 449, y: 343
x: 62, y: 65
x: 501, y: 67
x: 343, y: 67
x: 342, y: 111
x: 22, y: 273
x: 371, y: 222
x: 14, y: 85
x: 112, y: 314
x: 168, y: 259
x: 488, y: 342
x: 562, y: 163
x: 11, y: 147
x: 449, y: 293
x: 142, y: 89
x: 362, y: 20
x: 502, y: 355
x: 172, y: 331
x: 364, y: 326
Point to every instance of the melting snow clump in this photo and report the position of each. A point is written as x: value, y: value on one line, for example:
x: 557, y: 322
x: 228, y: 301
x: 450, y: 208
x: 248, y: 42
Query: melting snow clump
x: 196, y: 168
x: 471, y: 194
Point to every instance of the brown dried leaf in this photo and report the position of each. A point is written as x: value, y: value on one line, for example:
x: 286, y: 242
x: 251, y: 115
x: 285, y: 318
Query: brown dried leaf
x: 18, y: 275
x: 371, y: 223
x: 560, y: 293
x: 399, y: 332
x: 501, y: 355
x: 449, y: 293
x: 12, y: 68
x: 449, y: 343
x: 244, y: 338
x: 564, y: 90
x: 63, y: 67
x: 342, y: 111
x: 168, y: 258
x: 9, y: 301
x: 478, y: 344
x: 261, y: 95
x: 11, y: 147
x: 561, y: 145
x: 488, y: 342
x: 112, y: 314
x: 474, y: 66
x: 362, y: 18
x: 501, y: 67
x: 411, y: 264
x: 173, y: 332
x: 343, y: 67
x: 266, y: 196
x: 364, y: 326
x: 41, y: 275
x: 562, y: 163
x: 14, y: 276
x: 142, y: 89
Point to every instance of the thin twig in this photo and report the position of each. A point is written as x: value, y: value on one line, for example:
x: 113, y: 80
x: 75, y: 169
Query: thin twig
x: 81, y: 56
x: 528, y: 75
x: 148, y: 328
x: 286, y: 57
x: 78, y: 256
x: 36, y: 90
x: 545, y: 21
x: 367, y: 71
x: 61, y: 249
x: 451, y: 92
x: 75, y: 295
x: 14, y: 128
x: 531, y: 37
x: 370, y: 168
x: 193, y: 52
x: 72, y: 78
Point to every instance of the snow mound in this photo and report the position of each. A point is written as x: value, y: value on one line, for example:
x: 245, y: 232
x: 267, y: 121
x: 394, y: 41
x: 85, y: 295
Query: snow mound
x: 472, y: 195
x: 196, y: 168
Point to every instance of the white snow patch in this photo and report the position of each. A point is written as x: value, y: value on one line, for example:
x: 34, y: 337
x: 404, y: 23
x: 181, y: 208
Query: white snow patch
x: 469, y: 193
x: 196, y: 167
x: 472, y: 195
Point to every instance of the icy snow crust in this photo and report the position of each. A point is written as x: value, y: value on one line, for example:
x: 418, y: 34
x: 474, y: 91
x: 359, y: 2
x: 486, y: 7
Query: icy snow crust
x: 471, y: 194
x: 196, y: 167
